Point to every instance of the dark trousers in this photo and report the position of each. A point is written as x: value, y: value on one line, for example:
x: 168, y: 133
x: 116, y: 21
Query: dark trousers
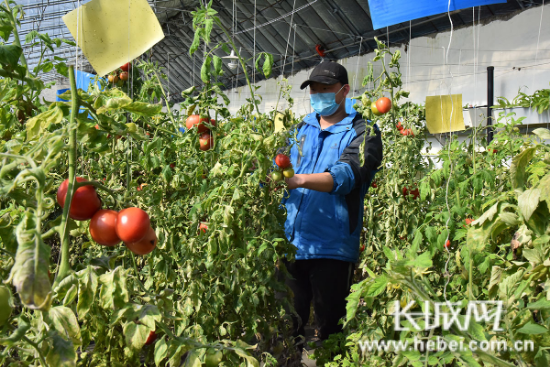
x: 327, y: 283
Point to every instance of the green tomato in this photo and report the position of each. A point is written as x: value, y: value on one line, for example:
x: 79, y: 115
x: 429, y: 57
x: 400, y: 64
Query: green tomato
x: 374, y: 109
x: 5, y: 304
x: 547, y: 158
x: 277, y: 176
x: 289, y: 172
x: 132, y: 128
x: 213, y: 357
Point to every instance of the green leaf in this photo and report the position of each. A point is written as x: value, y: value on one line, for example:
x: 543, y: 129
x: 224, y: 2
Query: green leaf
x: 517, y: 169
x: 114, y: 291
x: 114, y: 104
x: 196, y: 41
x: 250, y: 361
x: 136, y: 335
x: 542, y: 133
x: 528, y: 202
x: 205, y: 70
x: 422, y: 261
x: 544, y: 187
x: 38, y: 124
x: 541, y: 304
x: 143, y: 109
x: 29, y: 274
x: 532, y: 329
x: 377, y: 287
x: 192, y: 360
x: 488, y: 215
x: 87, y: 288
x: 352, y: 305
x: 161, y: 350
x: 9, y: 55
x: 208, y: 25
x: 62, y: 353
x: 65, y: 322
x: 217, y: 61
x: 268, y: 65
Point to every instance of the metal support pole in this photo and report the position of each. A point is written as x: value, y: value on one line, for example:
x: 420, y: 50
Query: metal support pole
x: 490, y: 95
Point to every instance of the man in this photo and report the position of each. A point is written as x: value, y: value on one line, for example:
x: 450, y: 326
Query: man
x: 326, y: 195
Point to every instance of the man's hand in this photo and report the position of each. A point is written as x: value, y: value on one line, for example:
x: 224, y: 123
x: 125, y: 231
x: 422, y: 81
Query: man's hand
x: 316, y: 181
x: 294, y: 182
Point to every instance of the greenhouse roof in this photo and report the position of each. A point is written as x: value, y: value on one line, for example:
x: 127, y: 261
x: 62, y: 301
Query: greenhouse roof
x: 342, y: 28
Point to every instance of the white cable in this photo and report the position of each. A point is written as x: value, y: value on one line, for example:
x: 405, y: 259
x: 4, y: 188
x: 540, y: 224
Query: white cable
x: 536, y: 56
x: 254, y: 50
x: 279, y: 18
x: 288, y: 39
x: 449, y: 156
x: 357, y: 67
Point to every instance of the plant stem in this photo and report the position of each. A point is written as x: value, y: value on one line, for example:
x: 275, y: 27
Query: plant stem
x: 219, y: 23
x: 35, y: 346
x: 16, y: 40
x: 166, y: 99
x: 65, y: 267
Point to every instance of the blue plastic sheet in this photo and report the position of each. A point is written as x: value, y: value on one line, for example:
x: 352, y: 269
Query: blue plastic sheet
x: 83, y: 81
x: 385, y: 13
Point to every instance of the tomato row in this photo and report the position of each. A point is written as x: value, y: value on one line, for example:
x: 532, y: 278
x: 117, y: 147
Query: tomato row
x: 109, y: 227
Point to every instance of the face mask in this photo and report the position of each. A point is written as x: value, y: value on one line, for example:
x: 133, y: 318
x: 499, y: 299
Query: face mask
x: 325, y: 103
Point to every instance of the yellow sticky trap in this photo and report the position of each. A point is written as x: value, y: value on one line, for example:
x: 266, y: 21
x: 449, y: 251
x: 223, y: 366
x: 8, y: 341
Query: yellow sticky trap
x: 438, y: 114
x: 279, y: 122
x: 112, y: 33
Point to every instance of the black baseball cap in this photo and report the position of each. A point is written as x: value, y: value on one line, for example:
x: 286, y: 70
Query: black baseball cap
x: 327, y: 72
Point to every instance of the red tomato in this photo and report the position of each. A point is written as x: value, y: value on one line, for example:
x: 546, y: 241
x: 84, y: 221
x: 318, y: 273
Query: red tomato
x: 132, y: 224
x: 103, y: 227
x: 97, y: 127
x: 206, y: 141
x: 172, y: 165
x: 113, y: 78
x: 448, y: 244
x: 151, y: 338
x: 399, y: 126
x: 193, y: 120
x: 145, y: 245
x: 124, y: 76
x: 201, y: 128
x: 203, y: 227
x: 374, y: 185
x: 126, y: 66
x: 469, y: 221
x: 405, y: 191
x: 362, y: 248
x: 406, y: 132
x: 282, y: 161
x: 383, y: 105
x: 85, y: 201
x: 415, y: 193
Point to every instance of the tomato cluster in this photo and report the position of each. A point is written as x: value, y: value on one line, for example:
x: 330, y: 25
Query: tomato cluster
x: 115, y: 76
x: 403, y: 131
x: 381, y: 106
x: 206, y: 139
x: 108, y: 227
x: 285, y: 168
